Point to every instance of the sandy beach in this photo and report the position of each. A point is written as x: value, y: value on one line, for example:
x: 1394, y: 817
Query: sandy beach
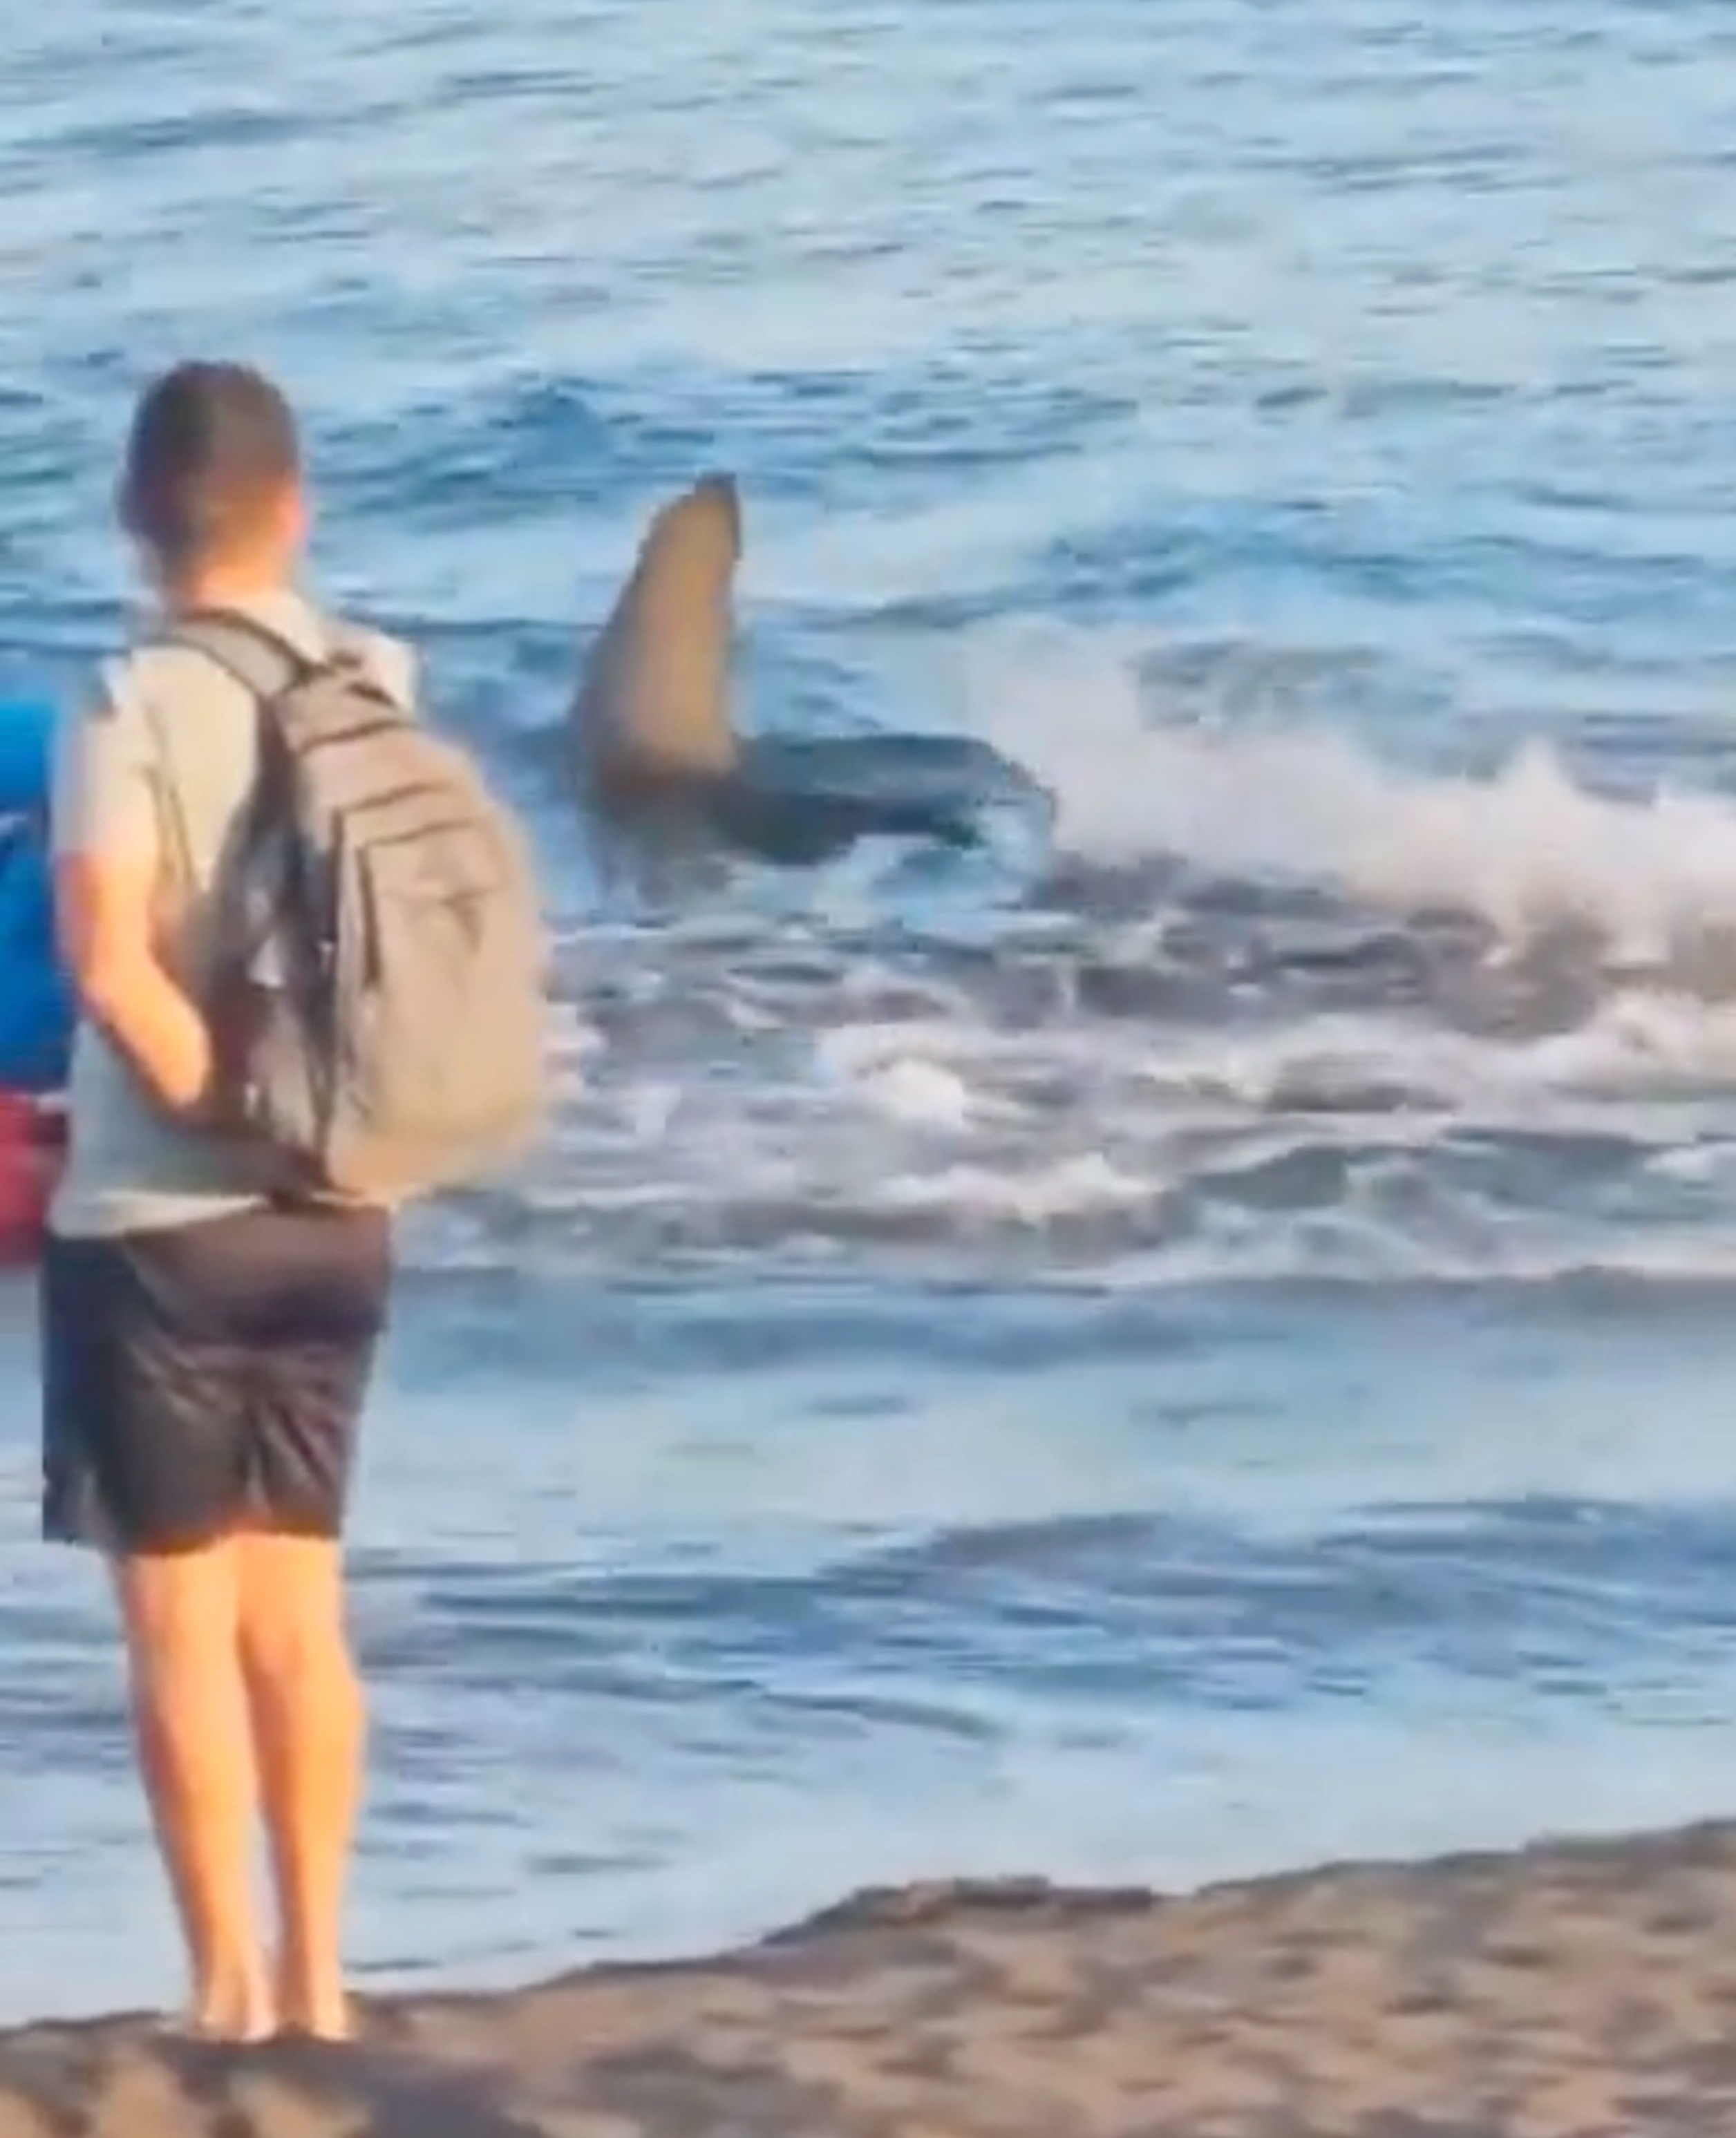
x: 1566, y: 1991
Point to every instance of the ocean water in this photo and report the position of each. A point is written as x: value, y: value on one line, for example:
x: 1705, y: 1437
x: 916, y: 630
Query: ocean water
x: 1204, y: 1347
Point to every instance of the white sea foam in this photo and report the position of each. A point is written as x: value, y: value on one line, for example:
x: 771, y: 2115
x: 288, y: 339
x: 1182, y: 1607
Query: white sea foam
x: 797, y: 1084
x: 1523, y: 849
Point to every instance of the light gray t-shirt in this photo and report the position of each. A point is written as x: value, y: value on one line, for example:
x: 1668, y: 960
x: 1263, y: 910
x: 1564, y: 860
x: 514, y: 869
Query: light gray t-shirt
x: 168, y: 746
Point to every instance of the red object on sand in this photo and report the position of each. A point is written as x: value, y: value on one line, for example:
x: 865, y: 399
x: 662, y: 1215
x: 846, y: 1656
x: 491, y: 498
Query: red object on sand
x: 32, y: 1149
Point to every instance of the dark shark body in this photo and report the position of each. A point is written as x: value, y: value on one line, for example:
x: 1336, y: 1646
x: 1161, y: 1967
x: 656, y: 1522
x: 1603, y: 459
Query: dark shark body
x: 655, y: 751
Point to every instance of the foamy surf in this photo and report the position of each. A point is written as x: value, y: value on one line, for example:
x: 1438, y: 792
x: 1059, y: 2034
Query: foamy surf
x: 919, y: 1111
x: 1525, y: 850
x: 1280, y: 1010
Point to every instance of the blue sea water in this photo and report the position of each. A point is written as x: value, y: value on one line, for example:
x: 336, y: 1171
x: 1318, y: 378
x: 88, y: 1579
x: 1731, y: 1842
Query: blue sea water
x: 1202, y: 1351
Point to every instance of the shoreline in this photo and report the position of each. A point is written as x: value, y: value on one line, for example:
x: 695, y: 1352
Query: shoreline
x: 1565, y: 1990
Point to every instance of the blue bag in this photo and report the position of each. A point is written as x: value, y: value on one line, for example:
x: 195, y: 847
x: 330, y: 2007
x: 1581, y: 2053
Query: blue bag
x: 37, y: 1013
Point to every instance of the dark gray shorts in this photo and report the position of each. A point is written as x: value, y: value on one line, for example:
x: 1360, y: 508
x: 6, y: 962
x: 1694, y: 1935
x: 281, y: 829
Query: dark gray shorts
x: 208, y: 1377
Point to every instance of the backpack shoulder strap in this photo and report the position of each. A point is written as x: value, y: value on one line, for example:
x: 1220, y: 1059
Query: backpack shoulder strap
x: 264, y: 665
x: 261, y: 660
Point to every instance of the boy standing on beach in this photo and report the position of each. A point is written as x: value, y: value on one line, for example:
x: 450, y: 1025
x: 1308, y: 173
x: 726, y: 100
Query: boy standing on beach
x: 206, y: 1346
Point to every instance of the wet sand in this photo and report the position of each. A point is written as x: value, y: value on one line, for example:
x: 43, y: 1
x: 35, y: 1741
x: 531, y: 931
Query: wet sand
x: 1562, y: 1992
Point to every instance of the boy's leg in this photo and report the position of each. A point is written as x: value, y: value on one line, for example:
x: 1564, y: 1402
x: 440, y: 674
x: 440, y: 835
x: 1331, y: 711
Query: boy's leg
x: 181, y: 1613
x: 309, y: 1731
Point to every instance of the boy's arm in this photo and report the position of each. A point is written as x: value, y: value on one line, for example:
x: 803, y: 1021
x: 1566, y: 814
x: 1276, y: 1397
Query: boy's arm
x: 106, y: 836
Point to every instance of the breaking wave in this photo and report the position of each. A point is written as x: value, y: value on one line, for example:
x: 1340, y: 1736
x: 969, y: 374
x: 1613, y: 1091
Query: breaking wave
x: 1525, y: 850
x: 1277, y: 1010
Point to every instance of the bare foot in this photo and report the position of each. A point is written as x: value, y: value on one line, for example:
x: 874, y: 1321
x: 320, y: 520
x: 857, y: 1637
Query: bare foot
x: 317, y: 2013
x: 241, y: 2016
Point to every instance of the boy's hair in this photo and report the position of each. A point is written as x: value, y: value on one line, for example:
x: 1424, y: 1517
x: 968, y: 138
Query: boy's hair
x: 213, y: 449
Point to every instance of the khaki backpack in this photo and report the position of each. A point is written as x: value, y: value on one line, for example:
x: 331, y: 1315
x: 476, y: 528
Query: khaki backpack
x: 377, y: 1000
